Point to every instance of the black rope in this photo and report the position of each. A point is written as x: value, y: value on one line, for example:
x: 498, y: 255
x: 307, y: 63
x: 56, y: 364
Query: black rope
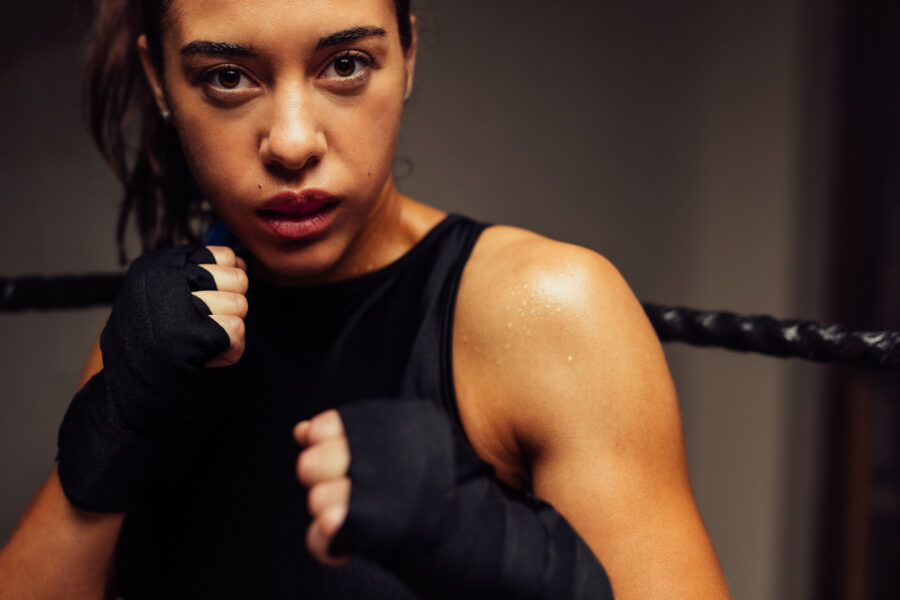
x: 777, y: 337
x: 58, y: 293
x: 758, y: 333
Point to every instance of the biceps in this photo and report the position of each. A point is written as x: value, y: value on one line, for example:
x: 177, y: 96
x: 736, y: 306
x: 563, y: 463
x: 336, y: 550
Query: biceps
x: 643, y: 525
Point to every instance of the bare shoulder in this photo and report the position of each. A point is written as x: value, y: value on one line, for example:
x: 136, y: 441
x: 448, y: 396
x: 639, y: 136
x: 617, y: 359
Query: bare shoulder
x: 551, y: 336
x: 532, y: 268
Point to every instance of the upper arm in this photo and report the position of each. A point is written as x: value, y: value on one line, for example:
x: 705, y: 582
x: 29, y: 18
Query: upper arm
x: 581, y: 392
x: 57, y: 550
x: 93, y: 365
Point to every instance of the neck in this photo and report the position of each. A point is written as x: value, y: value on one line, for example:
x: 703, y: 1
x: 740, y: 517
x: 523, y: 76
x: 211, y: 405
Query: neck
x: 383, y: 237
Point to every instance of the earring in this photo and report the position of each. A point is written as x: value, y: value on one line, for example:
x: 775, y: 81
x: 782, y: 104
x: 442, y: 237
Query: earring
x: 166, y: 114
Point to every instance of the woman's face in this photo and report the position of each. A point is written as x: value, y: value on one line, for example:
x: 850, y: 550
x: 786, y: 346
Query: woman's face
x: 288, y: 113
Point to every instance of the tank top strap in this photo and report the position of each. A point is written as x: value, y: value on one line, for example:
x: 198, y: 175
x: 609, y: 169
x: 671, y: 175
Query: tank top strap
x: 429, y: 371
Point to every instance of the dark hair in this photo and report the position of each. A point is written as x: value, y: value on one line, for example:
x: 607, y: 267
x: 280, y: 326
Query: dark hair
x: 160, y: 190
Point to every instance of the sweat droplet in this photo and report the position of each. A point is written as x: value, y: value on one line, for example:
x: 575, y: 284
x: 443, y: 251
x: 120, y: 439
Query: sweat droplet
x: 509, y: 325
x: 569, y: 360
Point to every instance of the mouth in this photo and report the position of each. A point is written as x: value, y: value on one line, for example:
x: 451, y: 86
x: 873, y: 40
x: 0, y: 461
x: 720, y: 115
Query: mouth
x: 293, y: 217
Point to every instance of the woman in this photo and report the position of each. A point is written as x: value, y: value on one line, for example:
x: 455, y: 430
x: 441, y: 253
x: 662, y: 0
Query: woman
x: 284, y: 116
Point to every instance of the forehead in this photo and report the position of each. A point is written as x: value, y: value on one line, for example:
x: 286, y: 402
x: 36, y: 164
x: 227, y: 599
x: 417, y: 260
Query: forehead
x: 274, y: 19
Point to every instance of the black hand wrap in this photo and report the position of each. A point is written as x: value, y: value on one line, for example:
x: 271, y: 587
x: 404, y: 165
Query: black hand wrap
x: 121, y: 430
x: 426, y: 507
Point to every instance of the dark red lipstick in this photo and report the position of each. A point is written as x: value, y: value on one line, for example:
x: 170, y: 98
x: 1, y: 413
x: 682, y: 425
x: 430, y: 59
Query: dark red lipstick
x: 295, y: 216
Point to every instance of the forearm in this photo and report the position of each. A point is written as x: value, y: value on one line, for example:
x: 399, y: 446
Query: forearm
x: 498, y: 543
x: 427, y: 508
x: 57, y: 550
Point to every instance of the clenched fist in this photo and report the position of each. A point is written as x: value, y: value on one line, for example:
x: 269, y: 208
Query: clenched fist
x: 178, y: 311
x: 322, y: 467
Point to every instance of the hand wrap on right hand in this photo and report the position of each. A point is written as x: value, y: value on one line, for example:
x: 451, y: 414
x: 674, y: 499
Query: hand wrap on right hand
x: 427, y: 508
x: 120, y: 430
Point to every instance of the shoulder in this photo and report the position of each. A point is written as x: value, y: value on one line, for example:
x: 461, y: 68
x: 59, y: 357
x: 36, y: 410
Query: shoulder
x: 552, y: 334
x: 530, y: 267
x: 549, y: 297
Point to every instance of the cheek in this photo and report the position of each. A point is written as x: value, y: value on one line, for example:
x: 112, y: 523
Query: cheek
x: 367, y: 136
x: 217, y: 154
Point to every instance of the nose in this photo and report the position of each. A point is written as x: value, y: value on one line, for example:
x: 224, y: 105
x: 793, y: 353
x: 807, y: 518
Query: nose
x: 294, y: 139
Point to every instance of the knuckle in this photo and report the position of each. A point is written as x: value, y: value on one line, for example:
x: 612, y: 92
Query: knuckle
x: 224, y: 255
x: 242, y: 282
x: 233, y: 325
x: 332, y: 520
x: 316, y: 500
x: 240, y: 305
x: 317, y: 427
x: 316, y: 430
x: 237, y: 346
x: 306, y: 466
x: 336, y: 422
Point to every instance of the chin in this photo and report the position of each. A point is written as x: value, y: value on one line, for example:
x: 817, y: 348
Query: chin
x: 297, y: 263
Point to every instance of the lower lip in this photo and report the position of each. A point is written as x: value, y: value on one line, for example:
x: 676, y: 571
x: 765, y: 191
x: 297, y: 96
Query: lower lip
x: 294, y: 228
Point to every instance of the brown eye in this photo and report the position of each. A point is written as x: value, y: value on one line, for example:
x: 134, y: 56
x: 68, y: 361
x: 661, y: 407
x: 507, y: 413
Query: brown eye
x: 229, y: 78
x: 345, y: 66
x: 348, y: 70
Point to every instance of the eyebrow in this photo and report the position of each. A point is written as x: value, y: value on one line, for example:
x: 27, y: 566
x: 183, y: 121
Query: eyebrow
x: 232, y: 49
x: 227, y: 48
x: 349, y: 35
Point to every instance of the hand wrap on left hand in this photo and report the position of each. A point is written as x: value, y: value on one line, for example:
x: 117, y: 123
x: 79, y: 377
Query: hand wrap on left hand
x: 426, y: 507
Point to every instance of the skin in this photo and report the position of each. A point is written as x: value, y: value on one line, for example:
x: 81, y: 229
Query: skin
x: 561, y: 382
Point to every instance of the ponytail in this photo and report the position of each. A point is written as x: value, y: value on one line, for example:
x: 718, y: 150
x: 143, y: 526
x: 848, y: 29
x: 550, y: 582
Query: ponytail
x: 160, y: 191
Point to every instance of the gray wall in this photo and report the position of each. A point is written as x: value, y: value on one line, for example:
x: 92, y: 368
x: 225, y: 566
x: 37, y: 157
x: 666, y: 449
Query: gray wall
x: 675, y: 138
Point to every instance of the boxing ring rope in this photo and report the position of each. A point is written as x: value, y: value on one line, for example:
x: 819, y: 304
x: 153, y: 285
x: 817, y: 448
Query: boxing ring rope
x: 760, y: 334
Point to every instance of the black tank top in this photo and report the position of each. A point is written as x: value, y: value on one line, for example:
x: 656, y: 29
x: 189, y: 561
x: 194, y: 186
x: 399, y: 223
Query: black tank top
x: 234, y: 526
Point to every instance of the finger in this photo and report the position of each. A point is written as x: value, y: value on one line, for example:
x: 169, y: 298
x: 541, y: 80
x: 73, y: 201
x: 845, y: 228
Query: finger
x: 322, y: 496
x: 241, y: 264
x: 323, y: 426
x: 321, y: 532
x: 224, y: 303
x: 301, y: 432
x: 228, y: 279
x: 224, y: 255
x: 324, y: 461
x: 234, y: 327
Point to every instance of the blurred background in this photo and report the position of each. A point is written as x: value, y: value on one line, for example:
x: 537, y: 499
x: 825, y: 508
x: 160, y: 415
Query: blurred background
x: 728, y: 154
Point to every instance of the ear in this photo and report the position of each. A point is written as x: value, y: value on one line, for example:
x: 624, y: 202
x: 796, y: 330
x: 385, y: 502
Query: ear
x: 153, y: 78
x: 410, y: 59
